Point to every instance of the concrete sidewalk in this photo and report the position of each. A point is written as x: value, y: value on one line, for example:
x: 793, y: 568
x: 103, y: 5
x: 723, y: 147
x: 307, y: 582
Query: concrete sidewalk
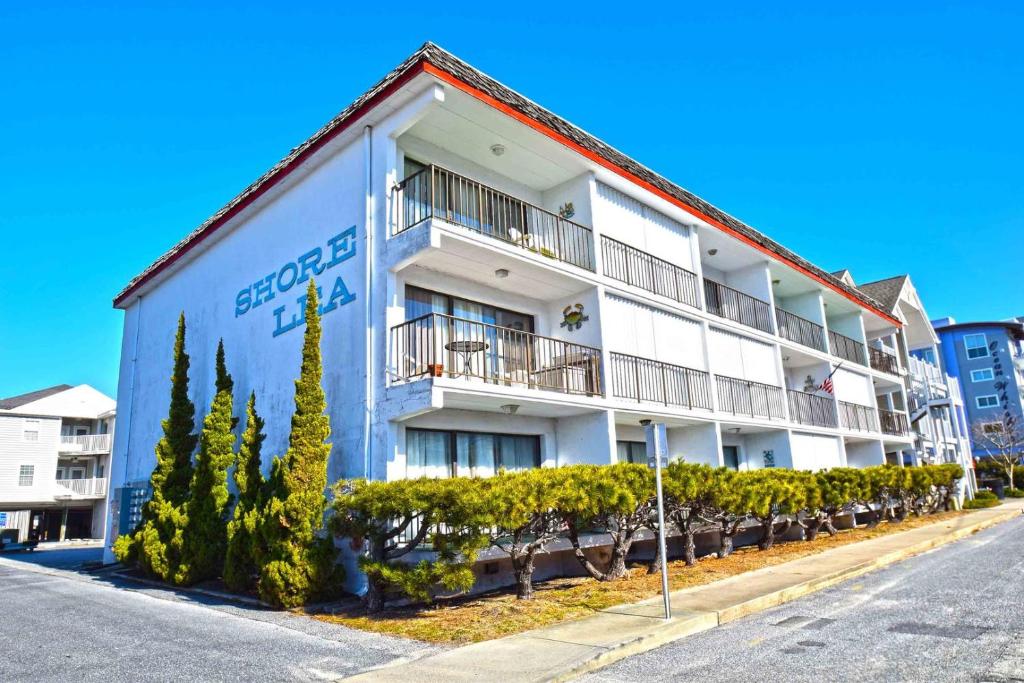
x: 564, y: 651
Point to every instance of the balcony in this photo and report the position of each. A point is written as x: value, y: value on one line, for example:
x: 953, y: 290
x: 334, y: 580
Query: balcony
x: 883, y: 361
x: 894, y: 423
x: 734, y: 305
x: 858, y: 418
x: 94, y: 487
x: 846, y: 348
x: 640, y: 269
x: 800, y: 330
x: 753, y: 399
x: 438, y: 193
x: 642, y: 379
x: 82, y: 444
x: 438, y: 345
x: 813, y: 410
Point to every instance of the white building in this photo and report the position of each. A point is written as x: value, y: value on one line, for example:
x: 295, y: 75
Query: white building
x: 501, y: 289
x: 54, y: 463
x: 937, y: 413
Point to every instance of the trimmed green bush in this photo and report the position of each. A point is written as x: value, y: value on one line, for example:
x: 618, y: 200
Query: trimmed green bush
x: 240, y: 568
x: 982, y: 499
x: 205, y: 533
x: 445, y: 522
x: 156, y: 546
x: 297, y: 562
x: 1013, y: 493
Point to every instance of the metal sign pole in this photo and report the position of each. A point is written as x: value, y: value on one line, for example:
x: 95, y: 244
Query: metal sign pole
x: 657, y: 449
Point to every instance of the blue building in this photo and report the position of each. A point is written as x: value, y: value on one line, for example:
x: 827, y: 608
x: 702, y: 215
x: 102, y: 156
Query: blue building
x: 988, y: 358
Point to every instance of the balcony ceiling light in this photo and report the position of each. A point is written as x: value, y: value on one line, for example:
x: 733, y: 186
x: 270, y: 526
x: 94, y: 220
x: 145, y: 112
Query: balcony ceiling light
x: 501, y: 273
x: 497, y: 149
x: 712, y: 252
x: 510, y: 408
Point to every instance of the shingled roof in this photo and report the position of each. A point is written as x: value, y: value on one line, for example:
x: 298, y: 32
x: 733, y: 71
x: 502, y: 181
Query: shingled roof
x: 886, y: 292
x: 13, y: 402
x: 434, y: 60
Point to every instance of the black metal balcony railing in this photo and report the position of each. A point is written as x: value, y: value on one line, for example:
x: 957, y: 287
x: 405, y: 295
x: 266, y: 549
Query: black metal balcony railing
x: 845, y: 347
x: 811, y: 409
x: 800, y: 330
x: 727, y: 302
x: 438, y: 193
x: 437, y: 345
x: 643, y: 379
x: 894, y: 423
x: 744, y: 397
x: 646, y: 271
x: 883, y: 361
x: 857, y: 417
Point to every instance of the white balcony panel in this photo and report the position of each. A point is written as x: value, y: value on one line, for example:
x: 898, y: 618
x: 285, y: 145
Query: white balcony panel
x: 853, y: 387
x: 647, y: 332
x: 740, y: 357
x: 625, y: 219
x: 815, y: 451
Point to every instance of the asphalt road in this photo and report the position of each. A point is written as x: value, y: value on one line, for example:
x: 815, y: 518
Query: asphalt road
x: 953, y: 614
x: 61, y: 625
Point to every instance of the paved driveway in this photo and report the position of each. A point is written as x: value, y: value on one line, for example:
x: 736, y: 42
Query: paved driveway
x: 953, y: 614
x: 61, y: 625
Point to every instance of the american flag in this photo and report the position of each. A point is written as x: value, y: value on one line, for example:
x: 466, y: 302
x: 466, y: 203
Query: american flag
x: 826, y: 386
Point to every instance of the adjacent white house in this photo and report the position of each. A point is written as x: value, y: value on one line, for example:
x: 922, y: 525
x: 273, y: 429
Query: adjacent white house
x: 501, y: 289
x: 55, y: 463
x: 935, y: 403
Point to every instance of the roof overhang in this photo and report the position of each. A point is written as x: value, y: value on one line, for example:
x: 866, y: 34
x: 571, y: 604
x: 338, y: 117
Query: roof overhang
x: 445, y: 67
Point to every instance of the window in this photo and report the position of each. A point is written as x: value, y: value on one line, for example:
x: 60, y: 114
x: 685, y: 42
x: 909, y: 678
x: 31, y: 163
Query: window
x: 435, y: 453
x: 976, y: 345
x: 982, y: 375
x: 631, y: 451
x: 31, y: 430
x: 990, y: 401
x: 420, y: 302
x: 25, y: 475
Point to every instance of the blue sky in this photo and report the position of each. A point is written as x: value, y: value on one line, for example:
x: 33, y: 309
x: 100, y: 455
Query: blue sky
x: 883, y: 140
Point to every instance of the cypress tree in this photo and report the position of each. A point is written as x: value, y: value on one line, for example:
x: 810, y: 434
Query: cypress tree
x: 205, y: 534
x: 298, y: 560
x: 157, y: 543
x: 240, y: 562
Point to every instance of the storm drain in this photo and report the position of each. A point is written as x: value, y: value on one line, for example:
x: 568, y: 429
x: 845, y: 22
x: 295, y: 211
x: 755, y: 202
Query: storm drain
x: 957, y: 631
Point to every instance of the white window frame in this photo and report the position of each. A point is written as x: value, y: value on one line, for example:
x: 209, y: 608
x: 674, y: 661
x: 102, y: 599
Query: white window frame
x: 995, y: 397
x: 983, y: 347
x: 26, y: 472
x: 991, y: 375
x: 30, y: 426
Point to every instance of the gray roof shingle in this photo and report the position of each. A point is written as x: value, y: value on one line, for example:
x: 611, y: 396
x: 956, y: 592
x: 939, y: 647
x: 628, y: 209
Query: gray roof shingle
x: 452, y: 65
x: 886, y: 292
x: 13, y: 402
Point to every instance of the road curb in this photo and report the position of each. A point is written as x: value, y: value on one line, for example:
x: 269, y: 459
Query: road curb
x: 781, y: 597
x: 220, y: 595
x: 577, y: 655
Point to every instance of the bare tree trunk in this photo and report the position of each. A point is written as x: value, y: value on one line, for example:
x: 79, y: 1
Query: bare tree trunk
x: 725, y: 536
x: 811, y: 527
x: 523, y: 568
x: 689, y: 547
x: 654, y: 566
x: 617, y: 565
x: 767, y: 533
x: 829, y: 527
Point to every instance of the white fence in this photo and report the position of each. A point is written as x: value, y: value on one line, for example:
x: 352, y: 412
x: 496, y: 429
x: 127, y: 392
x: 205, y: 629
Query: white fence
x: 85, y: 443
x: 96, y: 486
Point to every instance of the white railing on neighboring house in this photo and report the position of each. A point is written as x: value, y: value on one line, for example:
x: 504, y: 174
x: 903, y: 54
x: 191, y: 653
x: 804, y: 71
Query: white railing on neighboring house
x: 927, y: 373
x: 85, y: 443
x: 96, y: 486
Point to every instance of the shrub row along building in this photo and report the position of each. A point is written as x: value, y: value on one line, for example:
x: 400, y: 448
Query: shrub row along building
x: 502, y: 290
